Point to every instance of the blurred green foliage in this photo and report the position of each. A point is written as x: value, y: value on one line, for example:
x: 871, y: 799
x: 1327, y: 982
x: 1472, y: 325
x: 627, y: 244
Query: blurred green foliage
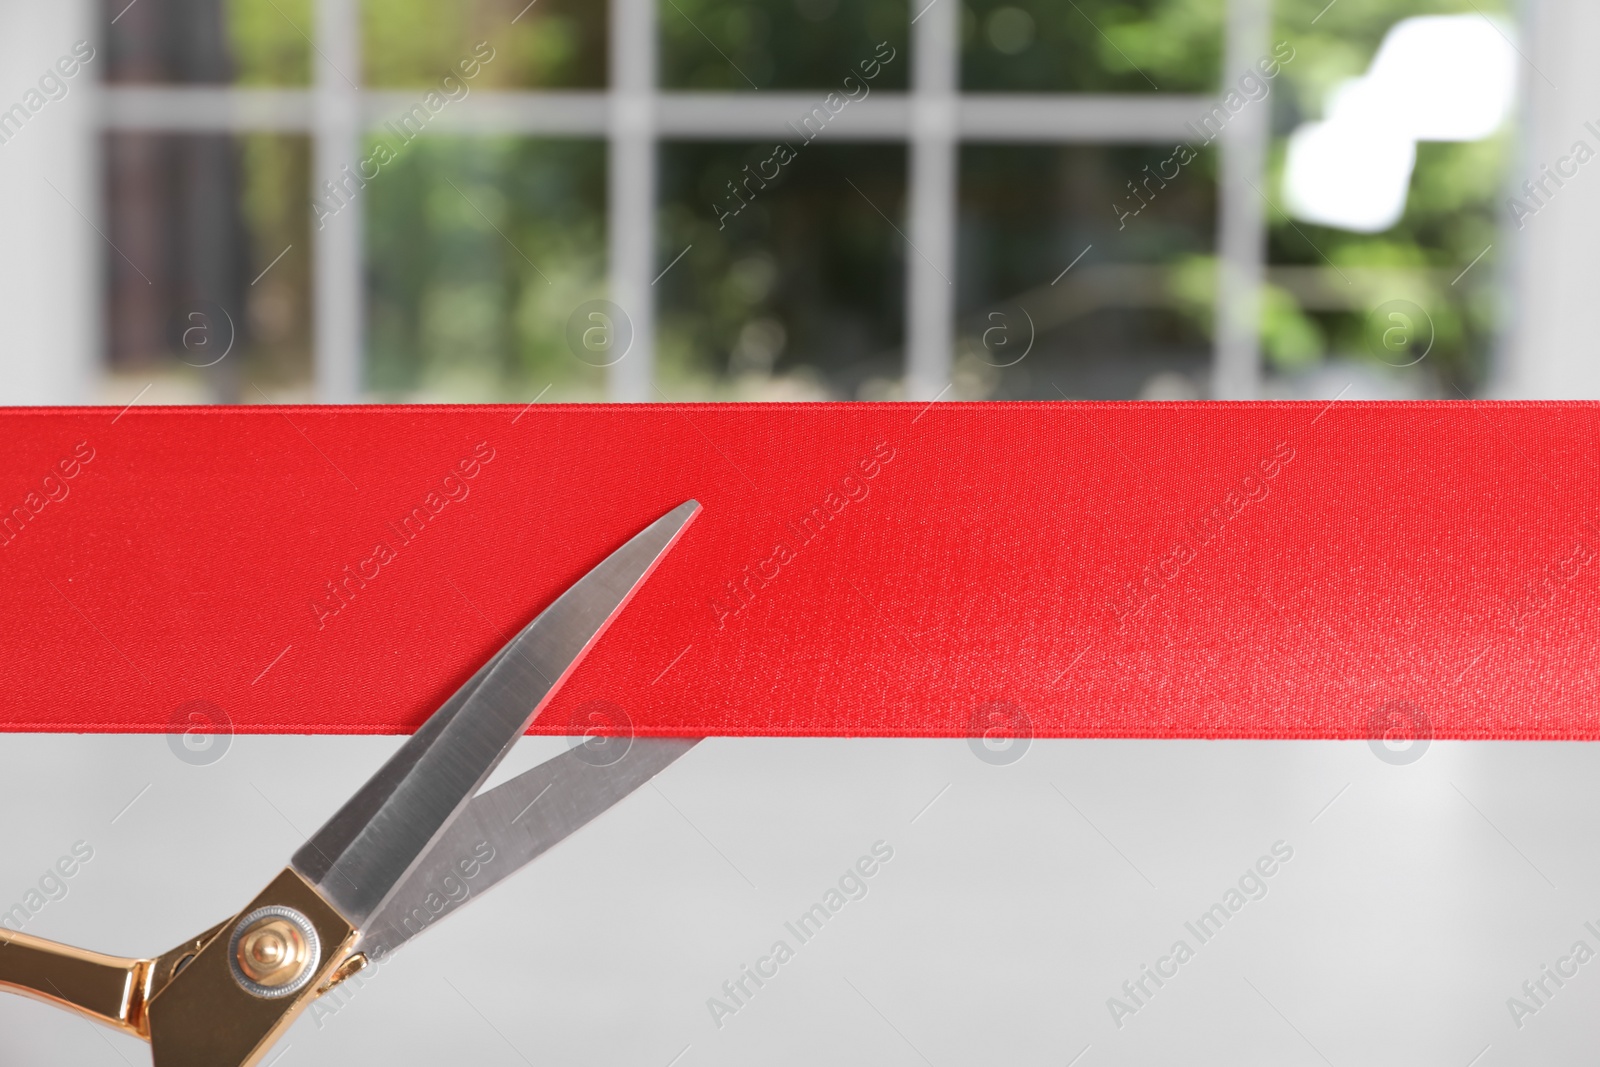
x: 269, y: 41
x: 777, y: 44
x: 551, y: 44
x: 1091, y: 46
x: 805, y: 283
x: 276, y: 170
x: 477, y: 251
x: 411, y: 43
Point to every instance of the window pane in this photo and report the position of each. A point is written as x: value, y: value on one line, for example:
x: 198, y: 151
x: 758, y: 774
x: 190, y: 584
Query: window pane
x: 1129, y: 318
x: 1333, y: 291
x: 246, y: 42
x: 778, y: 44
x: 1099, y: 46
x: 549, y: 44
x: 209, y: 269
x: 478, y: 250
x: 798, y: 295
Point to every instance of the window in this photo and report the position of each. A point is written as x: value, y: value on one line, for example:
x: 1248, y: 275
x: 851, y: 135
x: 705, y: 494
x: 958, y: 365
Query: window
x: 761, y: 199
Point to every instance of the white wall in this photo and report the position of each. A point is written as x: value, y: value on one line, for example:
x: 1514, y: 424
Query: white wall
x: 1018, y: 900
x: 1551, y: 350
x: 50, y: 308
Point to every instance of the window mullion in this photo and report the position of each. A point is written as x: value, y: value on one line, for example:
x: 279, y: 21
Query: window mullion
x: 337, y: 292
x: 1241, y: 213
x: 930, y: 261
x: 631, y: 190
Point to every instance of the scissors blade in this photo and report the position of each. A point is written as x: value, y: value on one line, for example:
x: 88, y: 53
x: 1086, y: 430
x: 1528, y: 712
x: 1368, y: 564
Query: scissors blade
x: 366, y: 851
x: 509, y: 826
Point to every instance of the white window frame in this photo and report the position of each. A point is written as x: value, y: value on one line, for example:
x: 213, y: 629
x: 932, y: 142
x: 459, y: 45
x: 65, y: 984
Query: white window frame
x: 934, y: 118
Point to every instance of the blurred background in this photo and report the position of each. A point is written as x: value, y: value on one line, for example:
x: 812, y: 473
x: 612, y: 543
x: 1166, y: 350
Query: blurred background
x: 504, y: 200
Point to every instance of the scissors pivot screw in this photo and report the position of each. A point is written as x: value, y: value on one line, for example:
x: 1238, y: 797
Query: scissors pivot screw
x: 274, y: 952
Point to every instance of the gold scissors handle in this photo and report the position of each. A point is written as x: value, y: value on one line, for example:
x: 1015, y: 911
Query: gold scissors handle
x: 107, y: 989
x: 113, y: 990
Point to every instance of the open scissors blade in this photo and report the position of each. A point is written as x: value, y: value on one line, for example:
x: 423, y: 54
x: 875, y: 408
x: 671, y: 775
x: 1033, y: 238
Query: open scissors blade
x: 370, y: 849
x: 513, y: 824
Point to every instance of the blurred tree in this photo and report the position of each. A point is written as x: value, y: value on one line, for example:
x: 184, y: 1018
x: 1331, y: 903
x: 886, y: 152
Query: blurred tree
x: 798, y: 295
x: 552, y: 44
x: 1091, y: 46
x: 269, y: 41
x: 478, y: 250
x: 777, y: 44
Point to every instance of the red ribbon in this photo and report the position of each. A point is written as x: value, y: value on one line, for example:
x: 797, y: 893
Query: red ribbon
x: 1286, y: 570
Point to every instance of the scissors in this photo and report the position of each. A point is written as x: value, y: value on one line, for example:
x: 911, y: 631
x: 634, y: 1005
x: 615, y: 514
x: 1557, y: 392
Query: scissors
x: 406, y: 850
